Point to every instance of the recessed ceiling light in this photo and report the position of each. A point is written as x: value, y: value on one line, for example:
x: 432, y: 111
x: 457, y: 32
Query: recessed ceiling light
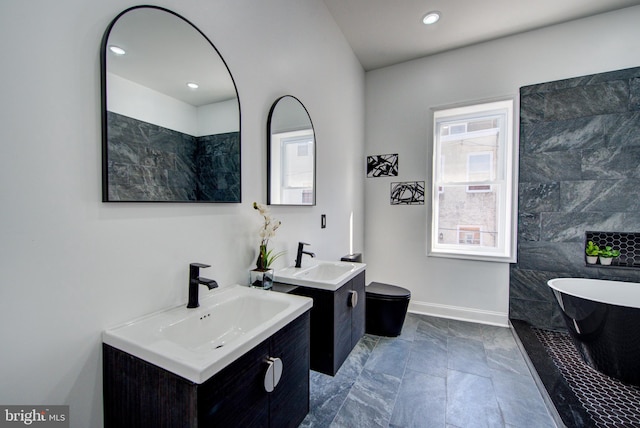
x: 117, y: 50
x: 431, y: 18
x: 192, y: 85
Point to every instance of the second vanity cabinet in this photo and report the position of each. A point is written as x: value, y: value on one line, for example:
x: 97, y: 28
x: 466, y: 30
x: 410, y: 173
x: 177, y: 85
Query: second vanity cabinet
x: 140, y: 394
x: 337, y: 322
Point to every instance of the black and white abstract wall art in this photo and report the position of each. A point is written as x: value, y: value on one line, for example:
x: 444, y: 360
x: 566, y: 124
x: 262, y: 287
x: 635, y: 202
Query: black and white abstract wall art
x: 407, y: 193
x: 382, y: 165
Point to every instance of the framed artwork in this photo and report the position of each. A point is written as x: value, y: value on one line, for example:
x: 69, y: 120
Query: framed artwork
x: 407, y: 193
x: 382, y: 165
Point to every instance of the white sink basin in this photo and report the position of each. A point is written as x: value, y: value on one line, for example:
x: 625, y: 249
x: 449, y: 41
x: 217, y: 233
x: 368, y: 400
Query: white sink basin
x: 320, y: 274
x: 197, y: 343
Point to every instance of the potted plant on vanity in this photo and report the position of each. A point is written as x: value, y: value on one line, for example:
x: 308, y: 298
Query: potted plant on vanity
x: 606, y: 255
x: 592, y: 251
x: 262, y: 275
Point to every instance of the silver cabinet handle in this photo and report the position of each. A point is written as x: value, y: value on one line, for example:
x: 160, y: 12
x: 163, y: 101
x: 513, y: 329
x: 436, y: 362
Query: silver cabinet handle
x: 273, y: 374
x: 353, y: 299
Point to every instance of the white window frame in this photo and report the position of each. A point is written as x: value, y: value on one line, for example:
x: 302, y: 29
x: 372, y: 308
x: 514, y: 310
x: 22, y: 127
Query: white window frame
x: 504, y: 183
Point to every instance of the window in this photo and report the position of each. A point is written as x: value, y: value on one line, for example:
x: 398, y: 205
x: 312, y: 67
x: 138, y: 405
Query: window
x: 292, y: 167
x: 296, y: 163
x: 472, y: 197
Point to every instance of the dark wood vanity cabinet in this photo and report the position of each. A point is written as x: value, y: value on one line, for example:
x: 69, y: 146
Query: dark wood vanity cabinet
x: 337, y: 322
x: 140, y: 394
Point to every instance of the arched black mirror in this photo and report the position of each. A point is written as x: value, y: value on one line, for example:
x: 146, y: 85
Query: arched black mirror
x: 291, y: 154
x: 171, y: 113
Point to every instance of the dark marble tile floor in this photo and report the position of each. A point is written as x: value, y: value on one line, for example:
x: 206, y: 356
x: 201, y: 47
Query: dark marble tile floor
x: 437, y: 373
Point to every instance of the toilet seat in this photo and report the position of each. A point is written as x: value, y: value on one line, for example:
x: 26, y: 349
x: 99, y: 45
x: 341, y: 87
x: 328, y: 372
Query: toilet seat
x: 387, y: 291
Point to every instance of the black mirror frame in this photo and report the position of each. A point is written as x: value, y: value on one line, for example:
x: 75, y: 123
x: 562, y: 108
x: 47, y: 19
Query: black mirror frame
x: 103, y: 107
x: 271, y: 111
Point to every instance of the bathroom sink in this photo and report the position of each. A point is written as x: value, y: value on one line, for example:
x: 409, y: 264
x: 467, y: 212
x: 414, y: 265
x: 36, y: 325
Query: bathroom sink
x: 321, y: 274
x: 198, y: 343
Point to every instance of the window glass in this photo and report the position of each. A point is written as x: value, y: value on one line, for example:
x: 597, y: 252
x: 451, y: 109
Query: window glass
x: 295, y: 165
x: 472, y: 210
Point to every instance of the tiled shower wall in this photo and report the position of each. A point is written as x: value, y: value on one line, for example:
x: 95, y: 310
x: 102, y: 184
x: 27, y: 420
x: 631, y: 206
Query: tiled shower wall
x: 218, y: 167
x: 149, y: 162
x: 579, y: 172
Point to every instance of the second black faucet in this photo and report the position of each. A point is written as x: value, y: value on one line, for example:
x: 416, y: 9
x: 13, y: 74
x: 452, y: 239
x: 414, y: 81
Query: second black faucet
x: 301, y: 252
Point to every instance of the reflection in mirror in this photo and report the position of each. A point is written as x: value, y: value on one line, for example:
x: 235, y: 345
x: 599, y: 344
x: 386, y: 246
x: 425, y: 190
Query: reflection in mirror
x: 290, y: 154
x: 171, y: 114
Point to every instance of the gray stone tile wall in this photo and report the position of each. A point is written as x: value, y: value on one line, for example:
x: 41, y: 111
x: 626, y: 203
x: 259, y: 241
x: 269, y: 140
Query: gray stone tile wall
x: 218, y: 167
x: 579, y: 172
x: 147, y: 162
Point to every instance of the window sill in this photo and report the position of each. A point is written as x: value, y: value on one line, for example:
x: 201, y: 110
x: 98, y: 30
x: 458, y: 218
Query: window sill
x: 474, y: 257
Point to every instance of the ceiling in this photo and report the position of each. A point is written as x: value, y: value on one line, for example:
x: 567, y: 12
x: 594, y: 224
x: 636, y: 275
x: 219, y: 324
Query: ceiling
x: 164, y: 52
x: 386, y: 32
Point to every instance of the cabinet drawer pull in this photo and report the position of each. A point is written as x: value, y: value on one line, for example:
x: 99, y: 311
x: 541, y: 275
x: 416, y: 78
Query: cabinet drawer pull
x: 273, y: 374
x: 353, y: 299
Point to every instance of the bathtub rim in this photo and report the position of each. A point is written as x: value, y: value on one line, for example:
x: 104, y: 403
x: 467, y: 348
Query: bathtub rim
x: 619, y: 293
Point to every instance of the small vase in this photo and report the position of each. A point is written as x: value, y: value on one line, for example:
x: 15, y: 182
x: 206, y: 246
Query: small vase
x: 261, y: 278
x: 592, y: 260
x: 606, y: 261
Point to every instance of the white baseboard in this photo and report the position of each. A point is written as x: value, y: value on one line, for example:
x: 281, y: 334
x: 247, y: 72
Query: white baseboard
x: 460, y: 313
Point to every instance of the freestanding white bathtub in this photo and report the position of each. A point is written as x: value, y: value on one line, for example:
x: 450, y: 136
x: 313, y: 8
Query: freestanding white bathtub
x: 603, y: 318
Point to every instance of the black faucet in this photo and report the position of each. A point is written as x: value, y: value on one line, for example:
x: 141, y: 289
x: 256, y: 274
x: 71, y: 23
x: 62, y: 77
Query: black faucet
x: 195, y: 280
x: 300, y: 253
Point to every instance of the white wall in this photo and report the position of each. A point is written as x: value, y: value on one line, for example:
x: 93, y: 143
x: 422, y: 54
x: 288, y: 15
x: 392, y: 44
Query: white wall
x: 70, y: 265
x: 139, y: 102
x: 398, y: 120
x: 218, y: 118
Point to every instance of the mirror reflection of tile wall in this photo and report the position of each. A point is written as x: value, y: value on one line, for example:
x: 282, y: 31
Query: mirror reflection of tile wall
x: 149, y: 162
